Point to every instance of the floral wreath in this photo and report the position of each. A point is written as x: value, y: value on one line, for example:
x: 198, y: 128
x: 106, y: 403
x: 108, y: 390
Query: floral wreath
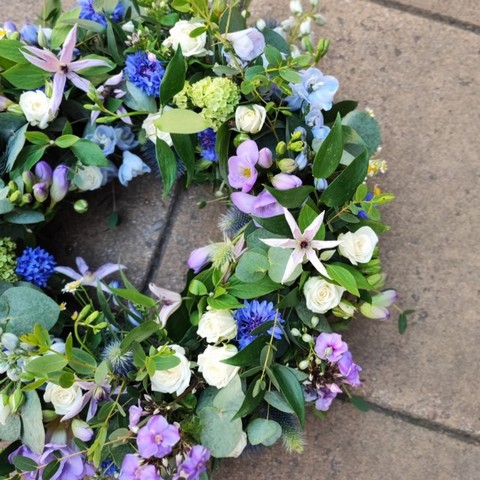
x: 101, y: 380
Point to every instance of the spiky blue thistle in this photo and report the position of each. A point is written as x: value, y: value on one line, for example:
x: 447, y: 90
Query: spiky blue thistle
x: 35, y: 265
x: 233, y: 221
x: 120, y: 363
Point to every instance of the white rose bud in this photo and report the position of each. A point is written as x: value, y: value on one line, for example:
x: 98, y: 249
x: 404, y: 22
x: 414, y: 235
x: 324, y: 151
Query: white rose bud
x: 88, y: 178
x: 175, y: 379
x: 358, y: 246
x: 215, y: 372
x: 5, y: 409
x: 217, y: 326
x: 238, y: 450
x: 180, y: 35
x: 250, y: 118
x: 65, y: 401
x: 320, y: 295
x: 153, y: 132
x: 36, y: 108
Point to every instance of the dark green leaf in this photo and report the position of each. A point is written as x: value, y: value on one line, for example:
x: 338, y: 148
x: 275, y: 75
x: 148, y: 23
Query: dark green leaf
x: 11, y: 50
x: 37, y: 138
x: 232, y: 20
x: 26, y: 77
x: 25, y: 464
x: 139, y: 334
x: 135, y: 297
x: 27, y: 158
x: 248, y: 356
x: 250, y: 402
x: 89, y: 153
x: 51, y: 469
x: 341, y: 108
x: 113, y: 220
x: 274, y: 57
x: 343, y: 277
x: 167, y: 164
x: 277, y: 225
x: 359, y: 403
x: 292, y: 198
x: 186, y: 151
x: 166, y: 362
x: 222, y: 146
x: 246, y: 291
x: 82, y: 362
x: 305, y: 219
x: 224, y: 302
x: 174, y: 78
x: 276, y: 40
x: 112, y: 45
x: 330, y: 152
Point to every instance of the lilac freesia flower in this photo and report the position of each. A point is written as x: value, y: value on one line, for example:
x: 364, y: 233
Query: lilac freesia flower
x: 248, y: 44
x: 44, y: 172
x: 194, y: 464
x: 40, y: 191
x: 303, y: 245
x: 262, y: 206
x: 135, y: 413
x: 105, y: 137
x: 171, y: 302
x: 133, y: 469
x: 378, y: 309
x: 200, y: 257
x: 241, y: 167
x: 131, y: 167
x: 326, y: 395
x: 330, y: 346
x: 349, y: 370
x: 62, y: 67
x: 82, y: 430
x: 265, y: 158
x: 157, y: 438
x: 284, y: 181
x: 60, y: 184
x: 86, y: 276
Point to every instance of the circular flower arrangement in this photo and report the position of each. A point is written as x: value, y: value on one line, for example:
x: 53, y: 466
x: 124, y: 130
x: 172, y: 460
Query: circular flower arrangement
x: 101, y: 380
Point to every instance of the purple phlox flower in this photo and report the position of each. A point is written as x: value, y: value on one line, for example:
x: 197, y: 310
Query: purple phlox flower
x: 86, y: 276
x: 62, y: 67
x: 111, y: 88
x: 134, y: 469
x: 248, y: 44
x: 126, y: 139
x: 94, y: 394
x: 349, y: 370
x: 303, y: 245
x: 207, y: 140
x: 35, y: 265
x: 60, y: 184
x: 145, y: 71
x: 241, y: 167
x: 109, y: 173
x: 104, y: 136
x: 171, y: 302
x: 264, y: 205
x: 194, y: 464
x: 251, y: 316
x: 29, y: 34
x: 381, y: 302
x: 131, y: 167
x: 135, y: 413
x: 71, y: 467
x: 44, y: 172
x: 326, y: 395
x: 284, y: 181
x: 330, y: 346
x: 157, y: 438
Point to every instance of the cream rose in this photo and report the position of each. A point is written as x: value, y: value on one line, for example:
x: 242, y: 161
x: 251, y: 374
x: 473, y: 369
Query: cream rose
x: 320, y: 295
x: 175, y: 379
x: 88, y: 178
x: 36, y: 108
x: 215, y: 372
x: 153, y: 132
x: 5, y: 409
x: 358, y: 246
x: 65, y: 401
x: 238, y: 450
x: 180, y: 35
x: 250, y: 118
x: 217, y: 326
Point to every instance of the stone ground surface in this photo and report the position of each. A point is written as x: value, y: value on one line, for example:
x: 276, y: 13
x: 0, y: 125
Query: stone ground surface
x: 416, y: 63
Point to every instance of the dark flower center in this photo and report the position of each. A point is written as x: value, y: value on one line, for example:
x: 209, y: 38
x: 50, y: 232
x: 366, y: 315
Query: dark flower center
x: 303, y: 244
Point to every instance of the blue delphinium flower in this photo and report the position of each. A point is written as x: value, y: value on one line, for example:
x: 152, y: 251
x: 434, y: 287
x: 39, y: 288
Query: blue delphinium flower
x: 125, y: 138
x: 145, y: 71
x: 207, y: 140
x: 105, y: 137
x: 251, y: 316
x: 109, y: 468
x: 29, y: 34
x: 88, y: 12
x: 131, y: 167
x: 35, y: 265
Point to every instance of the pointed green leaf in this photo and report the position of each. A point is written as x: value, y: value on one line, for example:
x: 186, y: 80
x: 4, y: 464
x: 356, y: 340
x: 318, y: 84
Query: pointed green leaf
x: 89, y: 153
x: 343, y: 277
x: 167, y: 164
x: 330, y: 152
x: 186, y: 151
x: 292, y: 198
x: 174, y: 78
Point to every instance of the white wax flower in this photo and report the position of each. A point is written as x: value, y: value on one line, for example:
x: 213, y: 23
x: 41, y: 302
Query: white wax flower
x: 320, y: 295
x: 358, y: 246
x: 36, y: 108
x: 250, y: 118
x: 215, y: 372
x: 217, y: 326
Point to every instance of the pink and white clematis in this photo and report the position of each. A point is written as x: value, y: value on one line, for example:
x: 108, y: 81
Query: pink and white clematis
x: 303, y: 245
x: 171, y: 302
x: 62, y: 67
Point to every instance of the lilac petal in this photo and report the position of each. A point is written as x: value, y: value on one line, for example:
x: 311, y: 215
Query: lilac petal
x: 81, y: 64
x: 249, y: 150
x: 107, y: 269
x: 197, y: 259
x: 82, y: 266
x: 314, y: 260
x: 280, y: 242
x: 42, y: 58
x: 243, y: 201
x: 313, y: 228
x: 115, y: 80
x: 386, y: 298
x: 295, y: 259
x: 59, y: 81
x: 66, y: 53
x: 292, y: 224
x: 68, y: 272
x: 121, y: 110
x: 322, y: 244
x: 79, y: 82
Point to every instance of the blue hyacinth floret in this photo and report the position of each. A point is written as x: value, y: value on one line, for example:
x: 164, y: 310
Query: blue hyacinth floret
x: 35, y: 265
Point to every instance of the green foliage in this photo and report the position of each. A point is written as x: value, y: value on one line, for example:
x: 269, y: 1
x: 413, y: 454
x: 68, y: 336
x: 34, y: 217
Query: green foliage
x: 33, y: 432
x: 179, y: 120
x: 263, y: 431
x: 330, y: 152
x: 367, y: 127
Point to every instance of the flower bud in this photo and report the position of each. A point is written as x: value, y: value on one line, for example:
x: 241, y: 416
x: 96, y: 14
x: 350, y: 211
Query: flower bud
x: 16, y: 400
x: 296, y: 7
x: 315, y: 321
x: 377, y: 280
x: 28, y: 180
x: 82, y: 430
x: 281, y: 148
x: 12, y: 186
x: 218, y: 7
x: 306, y: 27
x: 26, y: 199
x: 307, y: 338
x: 29, y: 34
x: 297, y: 146
x: 9, y: 341
x: 43, y: 171
x: 81, y: 206
x: 320, y: 184
x: 4, y: 103
x: 303, y: 365
x: 15, y: 197
x: 48, y: 416
x: 42, y: 37
x: 283, y: 181
x: 265, y: 158
x: 60, y: 184
x: 261, y: 24
x: 240, y: 138
x: 40, y: 192
x: 128, y: 27
x: 322, y: 48
x: 295, y: 332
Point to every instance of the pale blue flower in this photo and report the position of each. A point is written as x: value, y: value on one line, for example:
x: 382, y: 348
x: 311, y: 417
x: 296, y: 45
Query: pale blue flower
x: 131, y: 167
x: 105, y: 137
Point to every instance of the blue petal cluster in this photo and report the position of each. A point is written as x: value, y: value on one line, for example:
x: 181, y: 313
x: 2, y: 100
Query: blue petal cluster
x: 145, y: 72
x: 251, y: 316
x: 88, y: 12
x: 35, y: 265
x: 207, y: 140
x: 362, y: 213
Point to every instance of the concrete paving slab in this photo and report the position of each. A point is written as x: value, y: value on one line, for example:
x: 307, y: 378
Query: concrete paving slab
x: 422, y: 82
x: 349, y: 444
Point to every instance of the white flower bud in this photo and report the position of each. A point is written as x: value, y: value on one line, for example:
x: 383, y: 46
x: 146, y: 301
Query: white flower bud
x: 295, y: 332
x: 307, y: 338
x: 303, y: 365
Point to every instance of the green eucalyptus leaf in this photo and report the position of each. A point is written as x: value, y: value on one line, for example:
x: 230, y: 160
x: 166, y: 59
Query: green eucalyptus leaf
x: 263, y: 431
x: 278, y: 259
x: 46, y: 364
x: 367, y: 127
x: 252, y: 266
x: 138, y: 100
x: 12, y: 429
x: 33, y: 434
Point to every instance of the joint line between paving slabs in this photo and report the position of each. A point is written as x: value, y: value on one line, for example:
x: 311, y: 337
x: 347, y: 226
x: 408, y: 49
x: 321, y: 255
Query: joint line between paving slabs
x: 429, y: 15
x: 162, y: 242
x: 436, y: 427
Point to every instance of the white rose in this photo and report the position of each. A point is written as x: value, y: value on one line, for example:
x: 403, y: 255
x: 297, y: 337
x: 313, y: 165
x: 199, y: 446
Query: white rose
x: 358, y: 246
x: 175, y: 379
x: 88, y: 178
x: 180, y: 35
x: 250, y: 118
x: 153, y: 132
x: 320, y: 295
x: 217, y: 326
x: 5, y: 409
x: 36, y: 108
x: 237, y: 451
x: 216, y: 373
x: 65, y: 401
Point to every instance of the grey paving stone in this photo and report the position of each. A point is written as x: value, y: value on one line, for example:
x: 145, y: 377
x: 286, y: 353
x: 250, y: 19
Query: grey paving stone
x: 349, y: 445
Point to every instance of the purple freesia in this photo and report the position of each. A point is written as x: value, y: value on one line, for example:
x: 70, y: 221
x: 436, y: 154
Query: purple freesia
x: 248, y: 44
x: 284, y: 181
x: 241, y: 167
x: 349, y: 370
x: 330, y: 346
x: 133, y: 469
x: 157, y: 438
x: 200, y: 257
x: 62, y: 67
x: 265, y: 158
x: 40, y: 191
x: 60, y: 184
x: 262, y: 206
x: 44, y: 172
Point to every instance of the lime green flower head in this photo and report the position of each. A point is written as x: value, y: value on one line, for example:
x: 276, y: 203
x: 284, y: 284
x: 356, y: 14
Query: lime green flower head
x: 8, y: 260
x: 181, y: 98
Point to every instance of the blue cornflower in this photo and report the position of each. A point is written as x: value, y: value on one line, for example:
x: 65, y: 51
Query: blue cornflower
x: 251, y: 316
x: 35, y: 265
x: 145, y: 71
x: 109, y: 468
x: 88, y: 12
x: 207, y: 140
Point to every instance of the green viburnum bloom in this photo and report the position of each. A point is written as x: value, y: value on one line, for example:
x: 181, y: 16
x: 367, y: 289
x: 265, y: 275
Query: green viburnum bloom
x: 8, y: 260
